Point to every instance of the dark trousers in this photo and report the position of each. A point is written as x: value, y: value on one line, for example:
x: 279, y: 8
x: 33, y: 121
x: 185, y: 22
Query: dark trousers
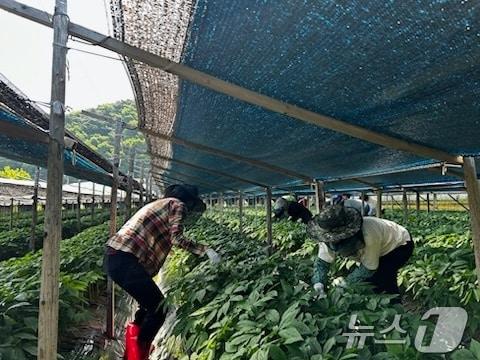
x: 385, y: 278
x: 129, y: 274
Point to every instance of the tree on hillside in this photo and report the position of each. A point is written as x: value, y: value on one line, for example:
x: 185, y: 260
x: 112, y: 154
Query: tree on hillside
x: 14, y: 173
x: 98, y: 134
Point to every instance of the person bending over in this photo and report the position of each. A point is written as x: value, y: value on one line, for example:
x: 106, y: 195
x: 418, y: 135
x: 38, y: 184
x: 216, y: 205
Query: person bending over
x: 285, y: 208
x: 137, y: 252
x: 381, y: 247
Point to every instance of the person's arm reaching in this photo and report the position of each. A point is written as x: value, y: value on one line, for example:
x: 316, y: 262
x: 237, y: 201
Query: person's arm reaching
x: 176, y: 217
x: 360, y: 274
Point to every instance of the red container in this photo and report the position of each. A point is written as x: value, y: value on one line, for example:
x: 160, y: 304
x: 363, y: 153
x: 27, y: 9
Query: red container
x: 133, y: 351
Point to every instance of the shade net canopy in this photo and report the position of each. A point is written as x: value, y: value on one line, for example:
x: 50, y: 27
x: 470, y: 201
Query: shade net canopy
x: 36, y: 153
x: 405, y: 69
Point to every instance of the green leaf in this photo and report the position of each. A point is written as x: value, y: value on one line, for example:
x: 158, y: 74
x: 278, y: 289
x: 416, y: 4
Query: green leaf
x: 260, y: 354
x: 291, y: 335
x: 289, y: 315
x: 329, y: 345
x: 30, y: 349
x: 463, y: 354
x: 17, y: 305
x: 475, y: 348
x: 275, y: 353
x: 273, y: 316
x: 26, y: 336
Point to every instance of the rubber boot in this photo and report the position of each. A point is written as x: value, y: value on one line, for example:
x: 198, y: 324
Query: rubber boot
x: 134, y: 350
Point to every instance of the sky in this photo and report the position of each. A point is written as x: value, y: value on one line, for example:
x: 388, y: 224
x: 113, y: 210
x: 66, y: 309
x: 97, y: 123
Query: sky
x: 26, y: 57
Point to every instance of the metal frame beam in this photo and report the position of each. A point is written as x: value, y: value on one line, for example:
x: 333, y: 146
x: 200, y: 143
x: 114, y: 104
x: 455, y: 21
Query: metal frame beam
x: 227, y: 155
x: 238, y: 92
x: 208, y: 170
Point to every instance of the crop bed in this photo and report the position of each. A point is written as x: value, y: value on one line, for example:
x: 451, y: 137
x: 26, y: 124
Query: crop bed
x: 14, y: 243
x: 259, y: 304
x: 81, y: 273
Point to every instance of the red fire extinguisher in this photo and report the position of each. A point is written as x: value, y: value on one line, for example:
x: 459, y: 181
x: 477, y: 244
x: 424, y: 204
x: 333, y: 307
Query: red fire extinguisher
x: 134, y: 350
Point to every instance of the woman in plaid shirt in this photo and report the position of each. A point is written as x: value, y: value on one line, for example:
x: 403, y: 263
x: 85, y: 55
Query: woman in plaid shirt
x: 137, y: 252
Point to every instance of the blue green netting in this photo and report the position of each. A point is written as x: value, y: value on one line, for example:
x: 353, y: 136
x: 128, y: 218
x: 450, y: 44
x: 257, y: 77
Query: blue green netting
x: 404, y: 68
x: 37, y: 153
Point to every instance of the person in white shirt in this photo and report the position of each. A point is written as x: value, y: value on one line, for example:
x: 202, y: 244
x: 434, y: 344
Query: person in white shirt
x: 381, y: 247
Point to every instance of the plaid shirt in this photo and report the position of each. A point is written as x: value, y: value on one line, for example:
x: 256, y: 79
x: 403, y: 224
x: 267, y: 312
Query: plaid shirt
x: 151, y: 233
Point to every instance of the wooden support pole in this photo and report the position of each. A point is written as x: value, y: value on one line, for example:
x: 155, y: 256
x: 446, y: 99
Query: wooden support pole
x: 362, y: 195
x: 19, y: 207
x: 79, y: 205
x: 11, y: 213
x: 268, y: 208
x: 473, y: 190
x: 379, y: 204
x: 417, y: 202
x: 142, y: 174
x: 93, y: 202
x: 110, y: 316
x: 49, y: 288
x: 319, y: 196
x: 240, y: 210
x: 103, y: 197
x: 435, y: 202
x: 128, y: 197
x: 33, y: 235
x: 405, y: 206
x: 428, y: 202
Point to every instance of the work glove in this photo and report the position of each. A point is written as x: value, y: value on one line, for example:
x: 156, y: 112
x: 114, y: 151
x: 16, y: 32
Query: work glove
x: 213, y: 256
x: 340, y: 282
x: 320, y: 290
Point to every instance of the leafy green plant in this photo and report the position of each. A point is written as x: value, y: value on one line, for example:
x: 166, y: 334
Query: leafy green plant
x: 81, y: 270
x: 260, y: 305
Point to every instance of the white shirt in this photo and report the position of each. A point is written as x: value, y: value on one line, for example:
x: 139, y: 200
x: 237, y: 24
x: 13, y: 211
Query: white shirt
x: 381, y: 237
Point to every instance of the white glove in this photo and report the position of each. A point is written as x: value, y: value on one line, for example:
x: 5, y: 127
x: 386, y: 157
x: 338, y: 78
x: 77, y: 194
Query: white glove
x: 340, y: 282
x: 213, y: 256
x: 320, y: 289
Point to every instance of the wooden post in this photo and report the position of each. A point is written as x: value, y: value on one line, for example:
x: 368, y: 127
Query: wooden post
x: 79, y: 205
x: 128, y: 197
x: 417, y: 202
x: 11, y: 213
x: 268, y: 208
x: 473, y: 189
x: 428, y: 202
x: 240, y: 210
x: 110, y: 328
x: 19, y: 206
x: 103, y: 197
x: 319, y: 196
x: 405, y: 206
x: 435, y: 203
x: 49, y: 288
x: 221, y: 203
x: 362, y: 194
x: 93, y: 201
x: 34, y: 210
x: 142, y: 203
x: 379, y: 204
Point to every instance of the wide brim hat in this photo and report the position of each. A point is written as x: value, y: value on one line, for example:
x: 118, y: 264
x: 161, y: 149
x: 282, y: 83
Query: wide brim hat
x: 335, y: 223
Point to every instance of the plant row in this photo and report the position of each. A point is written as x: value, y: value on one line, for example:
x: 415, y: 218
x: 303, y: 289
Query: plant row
x: 15, y: 242
x: 80, y: 270
x: 259, y: 303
